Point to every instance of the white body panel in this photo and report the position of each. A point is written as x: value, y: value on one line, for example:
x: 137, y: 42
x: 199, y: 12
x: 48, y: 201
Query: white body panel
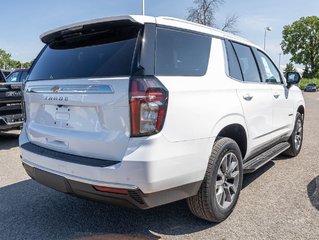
x: 90, y: 125
x: 256, y: 100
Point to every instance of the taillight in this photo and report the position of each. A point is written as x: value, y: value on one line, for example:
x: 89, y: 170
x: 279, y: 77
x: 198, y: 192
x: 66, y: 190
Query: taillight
x: 148, y: 103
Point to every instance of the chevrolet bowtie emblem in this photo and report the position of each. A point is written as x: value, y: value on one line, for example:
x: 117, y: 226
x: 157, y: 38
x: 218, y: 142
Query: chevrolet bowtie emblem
x: 55, y: 89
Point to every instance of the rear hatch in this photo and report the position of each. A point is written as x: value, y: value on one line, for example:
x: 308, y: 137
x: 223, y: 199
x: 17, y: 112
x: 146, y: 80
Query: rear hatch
x: 77, y: 92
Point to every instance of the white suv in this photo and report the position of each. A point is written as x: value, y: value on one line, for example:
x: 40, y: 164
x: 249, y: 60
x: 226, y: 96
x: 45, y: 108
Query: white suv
x: 143, y: 111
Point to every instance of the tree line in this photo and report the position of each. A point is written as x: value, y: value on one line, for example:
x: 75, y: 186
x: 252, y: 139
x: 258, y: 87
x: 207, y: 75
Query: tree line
x: 6, y: 61
x: 300, y: 39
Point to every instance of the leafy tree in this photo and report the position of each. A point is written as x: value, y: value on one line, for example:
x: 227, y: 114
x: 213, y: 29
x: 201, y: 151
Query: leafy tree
x: 289, y: 68
x: 6, y: 62
x: 27, y: 64
x: 301, y: 40
x: 204, y: 13
x: 5, y: 58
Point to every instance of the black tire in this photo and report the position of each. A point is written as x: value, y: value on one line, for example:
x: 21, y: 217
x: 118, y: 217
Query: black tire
x: 294, y: 149
x: 205, y: 204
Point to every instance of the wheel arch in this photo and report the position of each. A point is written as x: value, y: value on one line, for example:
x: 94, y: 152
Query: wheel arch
x: 234, y: 127
x: 301, y: 110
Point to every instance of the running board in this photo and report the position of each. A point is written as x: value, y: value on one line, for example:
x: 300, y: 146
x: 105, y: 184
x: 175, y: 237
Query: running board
x: 259, y: 161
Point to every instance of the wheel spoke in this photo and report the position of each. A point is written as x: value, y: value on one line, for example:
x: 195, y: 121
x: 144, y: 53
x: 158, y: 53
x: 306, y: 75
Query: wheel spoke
x: 227, y: 194
x: 220, y: 195
x: 299, y: 129
x: 219, y: 183
x: 224, y: 165
x: 233, y: 167
x: 229, y: 160
x: 233, y: 175
x: 220, y: 173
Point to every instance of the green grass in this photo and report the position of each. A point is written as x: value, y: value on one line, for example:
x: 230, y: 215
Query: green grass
x: 305, y: 81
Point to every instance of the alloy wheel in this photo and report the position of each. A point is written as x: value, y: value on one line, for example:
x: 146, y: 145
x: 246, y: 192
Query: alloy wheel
x: 227, y: 180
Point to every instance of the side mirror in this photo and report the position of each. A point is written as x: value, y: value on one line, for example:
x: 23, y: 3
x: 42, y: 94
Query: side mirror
x: 292, y: 78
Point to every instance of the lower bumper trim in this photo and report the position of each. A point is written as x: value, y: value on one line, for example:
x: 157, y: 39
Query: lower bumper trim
x: 135, y: 198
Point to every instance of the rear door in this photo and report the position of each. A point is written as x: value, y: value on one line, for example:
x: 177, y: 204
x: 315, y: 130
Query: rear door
x: 282, y: 108
x: 77, y: 93
x: 255, y: 97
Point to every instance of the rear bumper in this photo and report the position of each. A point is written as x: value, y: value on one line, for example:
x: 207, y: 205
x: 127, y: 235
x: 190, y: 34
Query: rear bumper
x: 134, y: 198
x: 158, y: 170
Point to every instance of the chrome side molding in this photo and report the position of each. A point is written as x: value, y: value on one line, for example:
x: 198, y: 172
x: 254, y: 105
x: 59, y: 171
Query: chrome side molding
x: 71, y: 89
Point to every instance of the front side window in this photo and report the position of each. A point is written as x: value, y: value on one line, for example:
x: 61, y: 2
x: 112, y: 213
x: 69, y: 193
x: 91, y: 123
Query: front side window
x: 247, y: 63
x: 107, y: 53
x: 181, y: 53
x: 268, y: 70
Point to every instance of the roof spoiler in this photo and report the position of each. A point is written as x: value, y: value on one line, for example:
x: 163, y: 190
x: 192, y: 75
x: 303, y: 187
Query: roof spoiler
x: 47, y: 37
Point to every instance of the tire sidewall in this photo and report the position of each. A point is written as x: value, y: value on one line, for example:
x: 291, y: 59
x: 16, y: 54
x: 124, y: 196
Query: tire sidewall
x: 229, y: 147
x: 292, y: 140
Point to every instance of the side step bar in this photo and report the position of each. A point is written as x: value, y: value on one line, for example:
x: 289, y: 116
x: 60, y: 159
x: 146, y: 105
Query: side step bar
x: 259, y: 161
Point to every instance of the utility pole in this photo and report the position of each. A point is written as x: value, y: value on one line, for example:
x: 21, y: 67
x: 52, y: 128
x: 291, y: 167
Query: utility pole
x: 265, y: 35
x: 143, y: 7
x: 279, y: 61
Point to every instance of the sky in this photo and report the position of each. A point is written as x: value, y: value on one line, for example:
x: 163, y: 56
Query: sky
x: 22, y: 22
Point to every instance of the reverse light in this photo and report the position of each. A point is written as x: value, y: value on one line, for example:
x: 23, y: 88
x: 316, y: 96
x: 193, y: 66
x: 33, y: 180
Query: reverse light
x: 148, y: 104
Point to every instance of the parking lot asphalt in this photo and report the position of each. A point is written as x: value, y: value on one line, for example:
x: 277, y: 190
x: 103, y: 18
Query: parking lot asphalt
x: 279, y: 201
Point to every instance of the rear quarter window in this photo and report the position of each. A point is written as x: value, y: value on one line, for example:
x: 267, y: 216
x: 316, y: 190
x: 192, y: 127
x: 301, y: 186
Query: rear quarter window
x: 180, y: 53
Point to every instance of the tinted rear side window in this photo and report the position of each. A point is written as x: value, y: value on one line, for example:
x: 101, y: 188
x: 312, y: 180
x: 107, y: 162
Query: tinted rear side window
x: 247, y: 63
x: 233, y: 64
x: 181, y: 53
x: 103, y: 54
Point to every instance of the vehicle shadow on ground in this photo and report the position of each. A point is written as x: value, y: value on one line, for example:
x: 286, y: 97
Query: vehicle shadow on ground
x: 29, y: 210
x: 251, y: 177
x: 313, y: 192
x: 9, y: 140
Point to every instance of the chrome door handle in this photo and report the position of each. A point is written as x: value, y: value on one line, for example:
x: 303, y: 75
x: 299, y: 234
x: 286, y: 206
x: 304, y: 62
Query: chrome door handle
x: 248, y: 97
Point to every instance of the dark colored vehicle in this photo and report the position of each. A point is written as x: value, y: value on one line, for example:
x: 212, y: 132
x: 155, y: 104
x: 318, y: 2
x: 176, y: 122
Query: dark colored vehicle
x: 10, y: 105
x: 18, y: 75
x: 311, y: 87
x: 2, y: 77
x: 6, y: 72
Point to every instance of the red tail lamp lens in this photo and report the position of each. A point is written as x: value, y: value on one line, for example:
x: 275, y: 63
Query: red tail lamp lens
x: 148, y: 104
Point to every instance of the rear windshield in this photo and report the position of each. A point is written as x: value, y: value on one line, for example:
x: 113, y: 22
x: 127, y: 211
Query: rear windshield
x: 99, y: 54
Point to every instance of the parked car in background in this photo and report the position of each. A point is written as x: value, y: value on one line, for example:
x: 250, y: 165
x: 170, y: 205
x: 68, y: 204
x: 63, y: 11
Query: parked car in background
x: 6, y: 72
x: 311, y: 87
x: 10, y: 104
x: 2, y: 77
x: 18, y: 75
x: 143, y: 111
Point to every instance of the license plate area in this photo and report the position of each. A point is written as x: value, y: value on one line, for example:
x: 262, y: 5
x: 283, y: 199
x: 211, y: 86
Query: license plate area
x: 82, y: 118
x: 14, y: 94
